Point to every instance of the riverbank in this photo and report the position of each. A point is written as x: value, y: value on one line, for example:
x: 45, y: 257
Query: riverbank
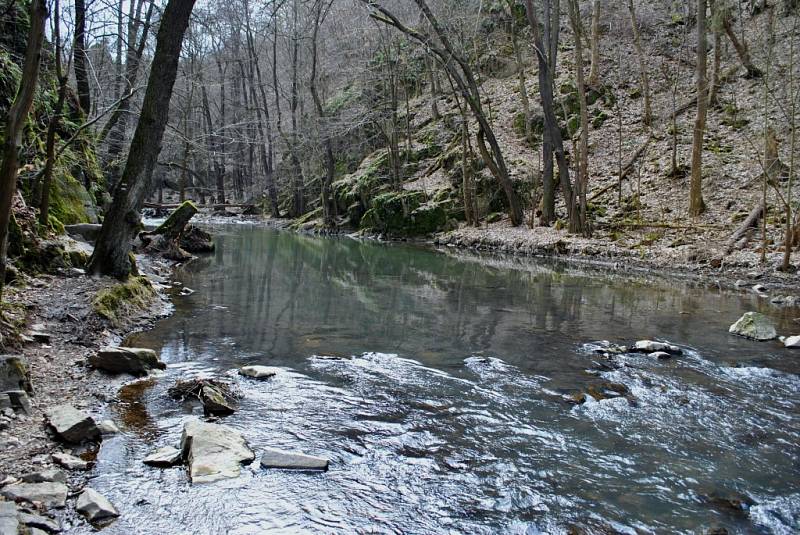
x: 62, y: 323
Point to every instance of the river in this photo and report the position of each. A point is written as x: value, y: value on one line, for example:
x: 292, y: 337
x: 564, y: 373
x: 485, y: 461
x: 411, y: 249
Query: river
x: 445, y: 412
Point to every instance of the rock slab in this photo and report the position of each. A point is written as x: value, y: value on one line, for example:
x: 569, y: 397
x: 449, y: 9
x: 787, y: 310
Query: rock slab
x: 258, y: 372
x: 48, y: 494
x: 290, y: 460
x: 792, y: 342
x: 213, y: 451
x: 755, y: 326
x: 164, y: 457
x: 50, y: 475
x: 94, y: 506
x: 9, y: 519
x: 650, y: 346
x: 132, y: 360
x: 72, y: 425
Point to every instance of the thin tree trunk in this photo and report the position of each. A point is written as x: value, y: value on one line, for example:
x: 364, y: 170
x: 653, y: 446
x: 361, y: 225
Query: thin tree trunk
x: 740, y: 46
x: 112, y: 250
x: 15, y: 124
x: 696, y: 203
x: 579, y: 221
x: 594, y: 70
x: 647, y: 115
x: 79, y: 58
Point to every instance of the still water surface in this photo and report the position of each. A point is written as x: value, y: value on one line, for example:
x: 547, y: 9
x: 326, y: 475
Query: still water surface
x: 445, y: 412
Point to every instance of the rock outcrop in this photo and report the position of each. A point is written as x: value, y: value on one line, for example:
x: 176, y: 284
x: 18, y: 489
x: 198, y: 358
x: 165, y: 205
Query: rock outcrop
x: 213, y: 451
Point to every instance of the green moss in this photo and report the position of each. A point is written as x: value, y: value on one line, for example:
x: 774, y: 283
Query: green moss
x: 404, y: 214
x: 121, y: 300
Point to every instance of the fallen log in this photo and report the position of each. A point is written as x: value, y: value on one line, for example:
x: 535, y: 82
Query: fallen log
x: 212, y: 206
x: 744, y: 228
x: 626, y: 170
x: 166, y: 237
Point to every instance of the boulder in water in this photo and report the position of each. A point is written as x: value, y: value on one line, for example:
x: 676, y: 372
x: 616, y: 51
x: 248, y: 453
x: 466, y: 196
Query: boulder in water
x: 132, y: 360
x: 792, y: 342
x: 650, y: 346
x: 72, y: 425
x: 213, y: 451
x: 273, y: 458
x: 755, y: 326
x: 258, y: 372
x: 94, y: 506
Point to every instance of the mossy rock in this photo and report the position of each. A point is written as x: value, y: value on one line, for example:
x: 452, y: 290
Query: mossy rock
x: 123, y: 300
x: 405, y: 214
x: 599, y: 117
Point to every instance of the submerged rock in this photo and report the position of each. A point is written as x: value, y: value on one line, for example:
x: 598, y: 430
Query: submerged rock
x: 217, y: 396
x: 164, y: 457
x: 49, y: 494
x: 213, y: 451
x: 273, y: 458
x: 215, y: 401
x: 661, y: 355
x: 132, y: 360
x: 72, y: 425
x: 755, y: 326
x: 94, y: 506
x: 258, y: 372
x: 792, y: 342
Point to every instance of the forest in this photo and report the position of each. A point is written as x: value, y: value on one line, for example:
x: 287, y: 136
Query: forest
x: 652, y: 143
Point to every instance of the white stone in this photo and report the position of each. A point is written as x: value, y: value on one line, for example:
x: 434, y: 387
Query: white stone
x: 94, y: 506
x: 273, y: 458
x: 108, y: 427
x: 792, y: 342
x: 213, y: 451
x: 164, y: 457
x: 259, y: 372
x: 650, y: 346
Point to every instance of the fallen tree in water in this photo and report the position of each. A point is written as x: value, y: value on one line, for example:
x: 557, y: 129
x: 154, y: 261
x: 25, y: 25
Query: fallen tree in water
x: 174, y: 239
x: 217, y: 397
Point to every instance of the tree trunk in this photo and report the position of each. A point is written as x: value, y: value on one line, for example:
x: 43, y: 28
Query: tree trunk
x: 696, y: 203
x: 112, y: 250
x: 740, y: 46
x: 79, y: 58
x: 578, y: 221
x: 647, y: 116
x: 594, y: 70
x: 15, y: 124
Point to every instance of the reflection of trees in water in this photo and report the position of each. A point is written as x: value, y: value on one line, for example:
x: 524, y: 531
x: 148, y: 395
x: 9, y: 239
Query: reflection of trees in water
x: 291, y: 295
x: 132, y: 410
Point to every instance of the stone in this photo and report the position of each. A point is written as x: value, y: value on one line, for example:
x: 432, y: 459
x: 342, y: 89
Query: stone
x: 649, y: 346
x: 258, y: 372
x: 164, y: 457
x: 755, y: 326
x: 50, y: 494
x: 49, y: 475
x: 107, y: 427
x: 661, y: 355
x: 273, y: 458
x: 94, y: 506
x: 19, y: 400
x: 14, y: 374
x: 759, y: 288
x: 9, y: 519
x: 213, y: 451
x: 72, y: 425
x: 792, y: 342
x: 87, y: 231
x: 40, y: 522
x: 132, y: 360
x: 215, y: 402
x: 70, y: 462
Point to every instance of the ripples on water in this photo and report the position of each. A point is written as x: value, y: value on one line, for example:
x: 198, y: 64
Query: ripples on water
x: 462, y: 427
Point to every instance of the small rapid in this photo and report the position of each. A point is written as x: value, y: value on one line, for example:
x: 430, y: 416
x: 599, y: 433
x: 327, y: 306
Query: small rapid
x: 443, y: 391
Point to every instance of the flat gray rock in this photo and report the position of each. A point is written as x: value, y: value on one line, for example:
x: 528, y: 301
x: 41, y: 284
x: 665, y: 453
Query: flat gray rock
x: 48, y: 494
x: 258, y: 372
x: 132, y: 360
x: 273, y: 458
x: 9, y: 519
x: 755, y: 326
x: 164, y: 457
x: 70, y: 462
x: 213, y: 451
x: 72, y: 425
x: 40, y: 522
x: 49, y: 475
x: 792, y: 342
x: 94, y: 506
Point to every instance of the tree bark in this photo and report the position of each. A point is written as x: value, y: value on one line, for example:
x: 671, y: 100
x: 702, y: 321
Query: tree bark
x: 647, y: 115
x: 578, y: 221
x: 330, y: 163
x: 15, y: 123
x: 696, y: 203
x: 594, y: 69
x: 112, y: 250
x: 79, y: 58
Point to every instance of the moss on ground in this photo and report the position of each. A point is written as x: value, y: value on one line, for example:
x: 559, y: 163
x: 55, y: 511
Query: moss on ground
x: 122, y: 300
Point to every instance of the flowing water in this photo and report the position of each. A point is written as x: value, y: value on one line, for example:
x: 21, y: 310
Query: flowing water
x: 443, y: 410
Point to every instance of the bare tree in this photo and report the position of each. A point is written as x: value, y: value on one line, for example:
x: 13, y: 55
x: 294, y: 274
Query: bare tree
x: 696, y: 203
x: 647, y: 115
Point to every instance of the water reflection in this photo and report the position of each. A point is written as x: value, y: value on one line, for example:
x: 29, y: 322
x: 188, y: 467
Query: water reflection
x: 443, y: 411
